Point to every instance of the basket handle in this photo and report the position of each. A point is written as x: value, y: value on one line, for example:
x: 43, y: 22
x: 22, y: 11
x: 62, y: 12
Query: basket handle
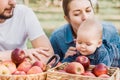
x: 56, y: 57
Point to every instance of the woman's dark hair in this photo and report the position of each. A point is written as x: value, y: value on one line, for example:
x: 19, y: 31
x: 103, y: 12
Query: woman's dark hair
x: 66, y: 7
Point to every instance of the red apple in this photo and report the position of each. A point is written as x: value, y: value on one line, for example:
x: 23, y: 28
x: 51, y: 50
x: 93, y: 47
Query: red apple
x: 61, y: 71
x: 100, y: 69
x: 74, y: 68
x: 19, y: 73
x: 17, y: 56
x: 84, y: 61
x: 4, y: 70
x: 34, y: 70
x: 59, y: 63
x: 24, y: 66
x: 10, y: 65
x: 88, y: 73
x: 40, y: 64
x: 104, y: 76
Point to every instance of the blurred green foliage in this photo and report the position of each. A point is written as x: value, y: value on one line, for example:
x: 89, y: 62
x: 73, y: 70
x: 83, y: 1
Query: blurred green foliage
x: 52, y: 17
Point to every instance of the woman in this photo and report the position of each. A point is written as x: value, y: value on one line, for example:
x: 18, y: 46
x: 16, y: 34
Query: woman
x: 76, y: 11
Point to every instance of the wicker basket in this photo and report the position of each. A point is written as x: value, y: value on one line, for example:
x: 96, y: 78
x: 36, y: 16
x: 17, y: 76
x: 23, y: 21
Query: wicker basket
x: 53, y: 74
x: 39, y: 76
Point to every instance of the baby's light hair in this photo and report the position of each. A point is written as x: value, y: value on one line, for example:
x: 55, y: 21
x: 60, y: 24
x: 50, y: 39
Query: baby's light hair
x: 91, y: 24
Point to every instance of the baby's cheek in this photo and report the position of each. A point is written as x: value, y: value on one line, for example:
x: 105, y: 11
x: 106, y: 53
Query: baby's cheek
x: 78, y: 47
x: 91, y: 50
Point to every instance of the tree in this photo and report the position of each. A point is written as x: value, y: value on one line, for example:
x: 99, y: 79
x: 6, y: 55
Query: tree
x: 26, y: 2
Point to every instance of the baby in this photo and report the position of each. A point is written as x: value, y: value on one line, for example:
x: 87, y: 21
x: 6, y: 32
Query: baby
x: 89, y: 43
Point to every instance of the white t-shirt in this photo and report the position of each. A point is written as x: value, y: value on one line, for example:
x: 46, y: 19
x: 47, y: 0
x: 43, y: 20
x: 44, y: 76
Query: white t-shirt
x: 15, y: 31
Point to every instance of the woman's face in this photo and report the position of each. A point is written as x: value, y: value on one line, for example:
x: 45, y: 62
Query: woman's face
x: 79, y: 10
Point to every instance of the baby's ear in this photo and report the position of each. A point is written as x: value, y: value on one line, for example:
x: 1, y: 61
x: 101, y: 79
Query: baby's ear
x: 99, y: 43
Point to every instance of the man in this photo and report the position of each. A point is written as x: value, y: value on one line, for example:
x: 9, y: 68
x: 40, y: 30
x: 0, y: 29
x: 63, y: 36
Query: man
x: 19, y: 23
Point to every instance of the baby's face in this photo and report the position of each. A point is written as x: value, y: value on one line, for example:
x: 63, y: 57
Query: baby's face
x: 87, y: 43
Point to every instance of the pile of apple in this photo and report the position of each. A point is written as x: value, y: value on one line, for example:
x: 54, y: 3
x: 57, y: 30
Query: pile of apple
x: 81, y: 66
x: 20, y: 65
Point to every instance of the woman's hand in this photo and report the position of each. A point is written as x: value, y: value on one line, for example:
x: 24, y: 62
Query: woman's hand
x: 70, y: 52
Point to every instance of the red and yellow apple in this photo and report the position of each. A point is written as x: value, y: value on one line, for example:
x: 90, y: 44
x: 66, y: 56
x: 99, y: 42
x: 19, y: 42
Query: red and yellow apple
x: 34, y: 70
x: 4, y: 70
x: 63, y: 71
x: 10, y: 65
x: 88, y: 73
x: 18, y: 56
x: 74, y: 68
x: 100, y: 69
x: 24, y: 66
x: 59, y: 63
x: 104, y: 76
x: 19, y: 73
x: 40, y: 64
x: 84, y: 61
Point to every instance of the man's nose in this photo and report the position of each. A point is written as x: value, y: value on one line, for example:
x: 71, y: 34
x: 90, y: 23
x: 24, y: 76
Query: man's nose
x: 12, y: 2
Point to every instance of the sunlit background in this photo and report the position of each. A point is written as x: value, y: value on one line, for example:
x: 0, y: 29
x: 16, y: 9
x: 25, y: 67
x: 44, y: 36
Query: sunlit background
x: 50, y: 14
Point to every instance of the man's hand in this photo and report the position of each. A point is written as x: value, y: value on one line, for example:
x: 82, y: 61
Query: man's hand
x: 40, y: 54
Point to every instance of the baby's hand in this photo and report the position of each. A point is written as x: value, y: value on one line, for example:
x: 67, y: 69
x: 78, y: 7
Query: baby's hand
x: 70, y: 52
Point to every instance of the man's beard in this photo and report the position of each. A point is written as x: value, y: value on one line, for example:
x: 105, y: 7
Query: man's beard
x: 2, y: 16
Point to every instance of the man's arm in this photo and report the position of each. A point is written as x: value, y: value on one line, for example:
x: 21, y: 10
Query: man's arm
x: 43, y: 43
x: 5, y: 55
